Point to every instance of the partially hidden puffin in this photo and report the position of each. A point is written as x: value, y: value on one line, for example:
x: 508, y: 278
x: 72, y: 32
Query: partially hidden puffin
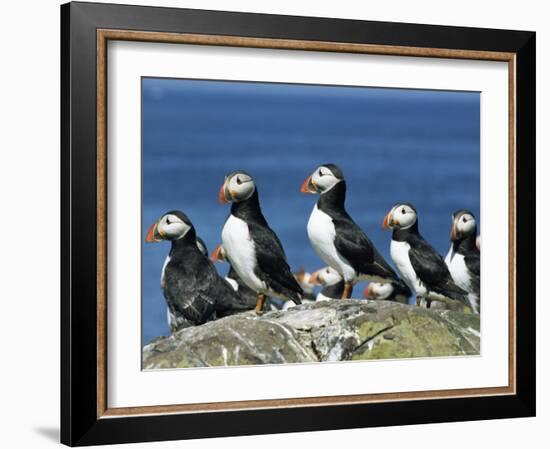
x: 331, y: 282
x: 245, y: 292
x: 303, y: 278
x: 336, y: 238
x: 420, y: 266
x: 190, y: 283
x: 251, y: 246
x: 388, y: 292
x: 463, y: 258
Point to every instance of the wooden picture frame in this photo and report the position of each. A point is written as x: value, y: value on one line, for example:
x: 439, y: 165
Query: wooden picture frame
x: 86, y: 29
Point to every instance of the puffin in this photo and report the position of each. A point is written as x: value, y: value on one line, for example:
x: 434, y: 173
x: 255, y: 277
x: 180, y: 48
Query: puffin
x: 419, y: 265
x: 331, y: 281
x: 192, y: 288
x: 463, y: 258
x: 251, y: 246
x: 336, y: 238
x: 246, y: 293
x: 388, y: 292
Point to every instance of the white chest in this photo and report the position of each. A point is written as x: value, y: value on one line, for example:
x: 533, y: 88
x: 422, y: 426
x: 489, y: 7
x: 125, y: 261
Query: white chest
x: 400, y: 255
x: 240, y: 251
x: 233, y: 283
x: 163, y: 270
x: 459, y: 272
x: 321, y: 233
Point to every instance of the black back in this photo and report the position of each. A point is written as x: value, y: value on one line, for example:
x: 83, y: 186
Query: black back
x: 192, y: 286
x: 350, y: 241
x: 334, y: 290
x: 428, y: 264
x: 467, y: 247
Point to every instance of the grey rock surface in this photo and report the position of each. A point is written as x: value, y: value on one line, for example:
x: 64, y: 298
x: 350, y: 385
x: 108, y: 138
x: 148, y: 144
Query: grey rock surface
x: 316, y: 332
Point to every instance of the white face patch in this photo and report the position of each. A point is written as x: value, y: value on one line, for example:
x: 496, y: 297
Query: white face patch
x: 329, y: 276
x: 240, y: 186
x: 171, y: 227
x: 465, y: 225
x: 403, y: 217
x: 381, y: 291
x: 324, y: 179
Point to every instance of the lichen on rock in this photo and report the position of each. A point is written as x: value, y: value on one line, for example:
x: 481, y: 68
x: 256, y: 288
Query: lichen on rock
x: 326, y: 331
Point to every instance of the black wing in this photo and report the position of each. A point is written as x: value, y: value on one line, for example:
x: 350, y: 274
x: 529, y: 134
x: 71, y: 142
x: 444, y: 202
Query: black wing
x: 473, y: 263
x: 272, y: 264
x: 196, y: 295
x: 353, y: 244
x: 188, y: 294
x: 431, y: 269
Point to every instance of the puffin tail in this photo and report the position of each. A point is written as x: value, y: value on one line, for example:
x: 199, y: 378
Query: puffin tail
x: 295, y: 297
x: 455, y: 292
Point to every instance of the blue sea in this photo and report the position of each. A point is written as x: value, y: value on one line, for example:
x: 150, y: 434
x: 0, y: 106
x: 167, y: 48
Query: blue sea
x: 393, y: 145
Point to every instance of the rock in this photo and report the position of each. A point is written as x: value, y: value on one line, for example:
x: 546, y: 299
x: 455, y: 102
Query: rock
x: 325, y: 331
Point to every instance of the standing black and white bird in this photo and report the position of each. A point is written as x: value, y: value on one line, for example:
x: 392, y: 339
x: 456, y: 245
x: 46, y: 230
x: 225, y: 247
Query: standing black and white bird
x: 251, y: 246
x: 388, y: 292
x: 463, y: 258
x: 420, y: 266
x: 336, y: 238
x: 331, y: 281
x: 190, y: 283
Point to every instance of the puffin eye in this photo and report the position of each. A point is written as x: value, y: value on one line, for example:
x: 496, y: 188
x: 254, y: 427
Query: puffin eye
x: 464, y: 219
x: 239, y: 182
x: 320, y: 172
x: 403, y: 210
x: 168, y: 221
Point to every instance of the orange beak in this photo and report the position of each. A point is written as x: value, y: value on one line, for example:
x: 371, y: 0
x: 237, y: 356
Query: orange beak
x: 368, y: 291
x: 221, y: 195
x: 300, y: 274
x: 314, y: 278
x: 153, y: 235
x: 306, y: 186
x: 217, y: 255
x: 387, y: 220
x: 453, y: 231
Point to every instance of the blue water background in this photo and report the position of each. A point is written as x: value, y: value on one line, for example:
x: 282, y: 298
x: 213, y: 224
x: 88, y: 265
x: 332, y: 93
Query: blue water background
x: 393, y: 145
